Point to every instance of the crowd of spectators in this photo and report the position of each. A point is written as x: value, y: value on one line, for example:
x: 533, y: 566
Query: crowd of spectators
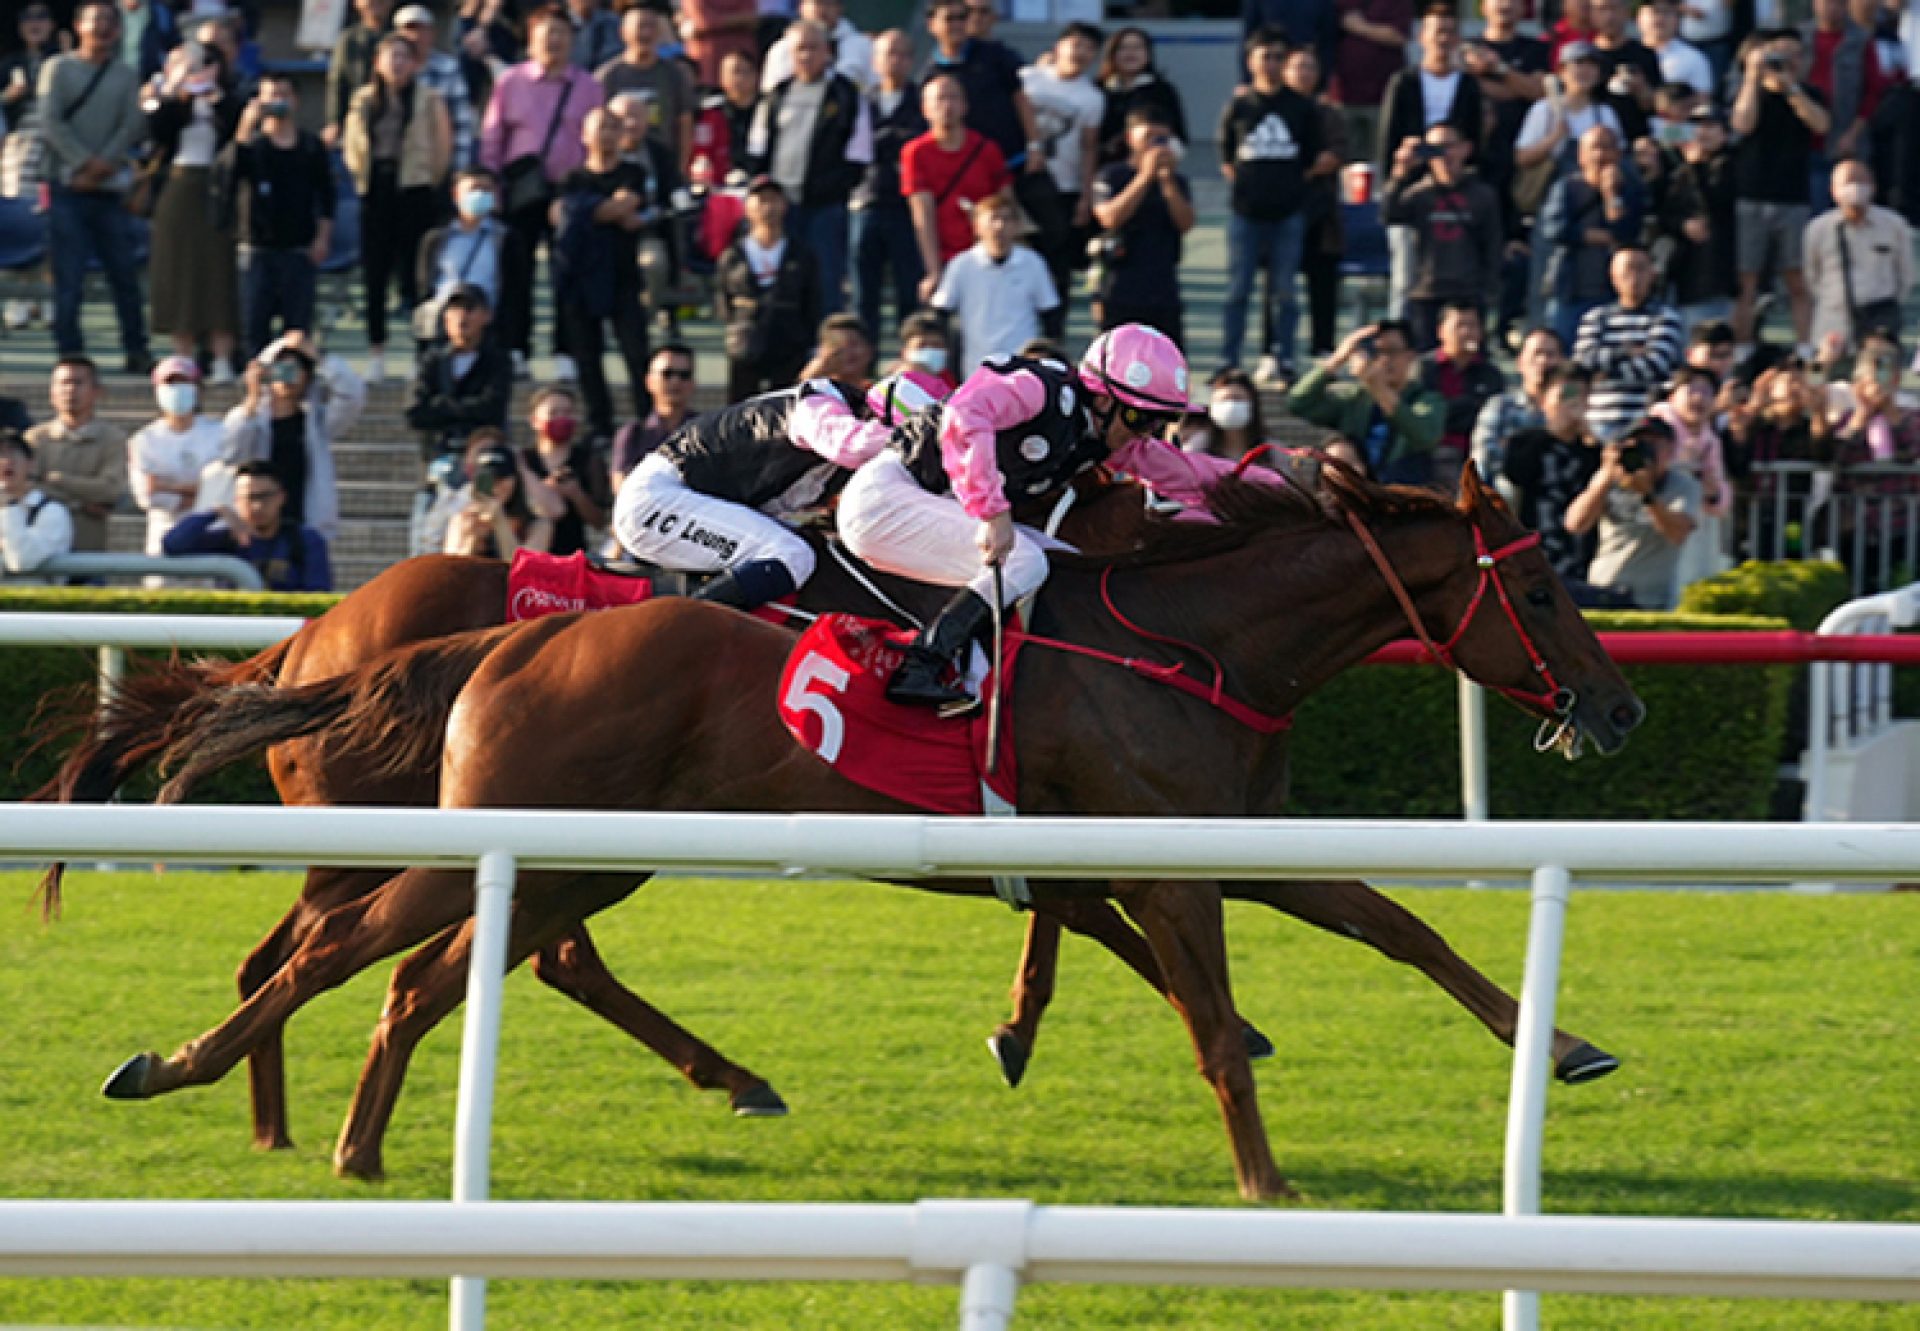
x: 1623, y: 199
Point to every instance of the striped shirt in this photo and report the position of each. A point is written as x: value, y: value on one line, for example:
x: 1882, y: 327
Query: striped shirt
x: 1630, y: 353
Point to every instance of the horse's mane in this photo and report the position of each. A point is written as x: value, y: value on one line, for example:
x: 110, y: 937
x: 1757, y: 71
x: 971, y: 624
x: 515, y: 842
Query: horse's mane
x: 1244, y: 509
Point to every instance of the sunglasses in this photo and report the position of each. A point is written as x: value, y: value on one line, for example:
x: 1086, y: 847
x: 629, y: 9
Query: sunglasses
x: 1144, y: 422
x: 667, y: 372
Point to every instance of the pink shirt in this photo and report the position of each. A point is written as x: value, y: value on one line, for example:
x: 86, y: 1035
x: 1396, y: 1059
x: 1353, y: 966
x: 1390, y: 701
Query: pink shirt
x: 989, y: 402
x: 521, y: 109
x: 827, y: 426
x: 1699, y: 452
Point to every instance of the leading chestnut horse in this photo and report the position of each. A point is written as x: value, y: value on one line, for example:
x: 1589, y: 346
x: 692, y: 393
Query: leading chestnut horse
x: 669, y: 706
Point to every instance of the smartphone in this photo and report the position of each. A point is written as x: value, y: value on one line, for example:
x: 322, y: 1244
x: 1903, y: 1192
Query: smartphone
x: 483, y: 484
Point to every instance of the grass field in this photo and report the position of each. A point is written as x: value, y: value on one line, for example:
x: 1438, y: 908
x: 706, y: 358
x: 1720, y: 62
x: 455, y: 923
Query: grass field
x: 1767, y: 1074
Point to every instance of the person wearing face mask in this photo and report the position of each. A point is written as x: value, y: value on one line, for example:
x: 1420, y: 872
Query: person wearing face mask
x: 566, y: 475
x: 1859, y: 260
x: 924, y: 347
x: 296, y: 405
x: 1233, y: 426
x: 274, y: 190
x: 165, y: 458
x: 717, y: 495
x: 464, y: 253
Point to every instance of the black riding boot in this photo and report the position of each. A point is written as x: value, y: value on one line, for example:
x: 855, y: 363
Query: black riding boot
x: 748, y: 586
x: 941, y: 646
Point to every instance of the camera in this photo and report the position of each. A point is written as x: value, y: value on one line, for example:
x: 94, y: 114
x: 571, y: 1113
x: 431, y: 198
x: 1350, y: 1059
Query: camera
x: 1366, y: 346
x: 483, y: 483
x: 1425, y: 153
x: 1773, y: 63
x: 1635, y: 457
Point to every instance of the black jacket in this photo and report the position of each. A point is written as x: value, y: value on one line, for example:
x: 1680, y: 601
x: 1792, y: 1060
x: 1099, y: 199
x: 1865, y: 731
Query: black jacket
x: 830, y: 176
x: 1403, y: 115
x: 773, y: 327
x: 891, y: 133
x: 445, y: 410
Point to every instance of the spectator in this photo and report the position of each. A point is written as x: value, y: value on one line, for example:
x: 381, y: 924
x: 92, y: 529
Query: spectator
x: 307, y: 404
x: 441, y: 72
x: 726, y: 119
x: 488, y: 37
x: 1711, y: 347
x: 1629, y: 70
x: 1068, y: 107
x: 352, y: 63
x: 569, y: 468
x: 882, y: 235
x: 944, y: 173
x: 1145, y: 206
x: 999, y: 291
x: 1629, y: 347
x: 464, y: 253
x: 596, y: 34
x: 291, y: 558
x: 1323, y: 242
x: 1462, y: 376
x: 1372, y: 49
x: 989, y: 72
x: 717, y: 31
x: 1309, y: 25
x: 842, y: 350
x: 1776, y: 119
x: 276, y: 193
x: 148, y: 30
x: 1129, y: 79
x: 670, y: 385
x: 1544, y: 152
x: 165, y: 458
x: 34, y: 526
x: 1586, y: 218
x: 191, y: 115
x: 1393, y: 422
x: 1270, y: 146
x: 1544, y: 470
x: 1708, y: 25
x: 1575, y: 24
x: 398, y: 145
x: 1781, y: 421
x: 1234, y: 426
x: 1705, y: 276
x: 462, y: 383
x: 1519, y: 408
x: 852, y: 49
x: 665, y: 85
x: 1679, y: 61
x: 1454, y: 221
x: 530, y: 139
x: 23, y: 159
x: 1645, y: 509
x: 83, y: 460
x: 1880, y: 432
x: 1859, y: 261
x: 1688, y: 412
x: 661, y: 241
x: 602, y: 207
x: 1844, y: 69
x: 812, y: 135
x: 228, y: 33
x: 492, y: 519
x: 90, y: 110
x: 768, y: 291
x: 1510, y: 67
x: 924, y: 346
x: 1416, y: 100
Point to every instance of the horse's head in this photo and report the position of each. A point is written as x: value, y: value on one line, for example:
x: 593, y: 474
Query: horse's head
x: 1518, y: 632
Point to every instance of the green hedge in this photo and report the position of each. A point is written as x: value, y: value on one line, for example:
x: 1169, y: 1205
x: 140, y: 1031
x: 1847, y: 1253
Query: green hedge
x: 1802, y: 592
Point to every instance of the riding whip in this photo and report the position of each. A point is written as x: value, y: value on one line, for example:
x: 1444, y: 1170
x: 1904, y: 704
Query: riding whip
x: 993, y: 679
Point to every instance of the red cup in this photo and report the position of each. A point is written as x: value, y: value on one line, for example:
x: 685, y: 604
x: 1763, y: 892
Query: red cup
x: 1356, y: 182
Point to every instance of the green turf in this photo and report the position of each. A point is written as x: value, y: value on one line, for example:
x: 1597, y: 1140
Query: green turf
x: 1766, y: 1075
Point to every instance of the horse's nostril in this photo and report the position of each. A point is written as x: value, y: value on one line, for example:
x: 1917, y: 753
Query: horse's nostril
x: 1625, y: 716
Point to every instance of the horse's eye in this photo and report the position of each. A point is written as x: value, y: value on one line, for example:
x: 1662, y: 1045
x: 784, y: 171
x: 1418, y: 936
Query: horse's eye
x: 1541, y: 597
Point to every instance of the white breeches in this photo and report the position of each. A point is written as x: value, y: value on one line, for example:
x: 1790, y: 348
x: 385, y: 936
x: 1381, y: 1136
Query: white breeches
x: 888, y: 520
x: 660, y: 520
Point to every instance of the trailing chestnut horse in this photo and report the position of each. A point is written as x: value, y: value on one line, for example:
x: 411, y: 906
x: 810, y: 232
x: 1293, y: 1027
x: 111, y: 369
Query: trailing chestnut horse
x: 669, y: 706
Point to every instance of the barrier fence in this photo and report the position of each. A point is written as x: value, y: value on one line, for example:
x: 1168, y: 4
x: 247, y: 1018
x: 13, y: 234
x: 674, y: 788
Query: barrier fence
x: 988, y: 1247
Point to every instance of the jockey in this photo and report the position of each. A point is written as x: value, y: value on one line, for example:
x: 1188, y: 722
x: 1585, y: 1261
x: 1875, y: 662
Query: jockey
x: 714, y: 496
x: 935, y: 506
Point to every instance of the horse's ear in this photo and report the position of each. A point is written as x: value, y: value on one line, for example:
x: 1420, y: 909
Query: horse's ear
x: 1473, y: 490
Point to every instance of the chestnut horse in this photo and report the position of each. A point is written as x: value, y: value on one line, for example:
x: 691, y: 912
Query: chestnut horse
x: 668, y: 706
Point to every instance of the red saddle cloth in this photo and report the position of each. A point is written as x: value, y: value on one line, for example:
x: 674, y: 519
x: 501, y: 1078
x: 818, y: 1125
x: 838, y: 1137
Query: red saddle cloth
x: 540, y: 584
x: 833, y: 700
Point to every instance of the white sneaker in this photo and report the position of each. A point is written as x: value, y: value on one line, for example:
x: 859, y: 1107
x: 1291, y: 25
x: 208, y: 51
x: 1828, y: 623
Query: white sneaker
x: 1269, y: 371
x: 564, y: 370
x: 18, y: 314
x: 222, y: 372
x: 377, y: 368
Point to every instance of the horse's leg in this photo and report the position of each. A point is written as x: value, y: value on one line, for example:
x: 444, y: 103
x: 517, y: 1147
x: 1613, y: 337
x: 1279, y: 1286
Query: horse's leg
x: 432, y: 983
x: 574, y: 966
x: 1183, y: 923
x: 266, y: 1067
x: 1011, y: 1043
x: 348, y: 939
x: 1354, y: 910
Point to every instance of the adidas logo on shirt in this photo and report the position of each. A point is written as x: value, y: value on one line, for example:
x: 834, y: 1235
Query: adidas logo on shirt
x: 1270, y: 141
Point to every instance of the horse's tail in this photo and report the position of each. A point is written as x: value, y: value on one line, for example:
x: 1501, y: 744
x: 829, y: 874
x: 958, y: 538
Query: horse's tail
x: 117, y: 736
x: 393, y: 709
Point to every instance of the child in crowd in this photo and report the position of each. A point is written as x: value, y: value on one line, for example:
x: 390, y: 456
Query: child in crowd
x: 998, y: 290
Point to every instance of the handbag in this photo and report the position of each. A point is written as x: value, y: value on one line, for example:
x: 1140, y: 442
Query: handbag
x: 524, y: 182
x: 143, y: 193
x: 1873, y: 316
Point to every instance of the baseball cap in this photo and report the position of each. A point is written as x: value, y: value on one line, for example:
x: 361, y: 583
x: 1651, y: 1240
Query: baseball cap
x: 765, y: 182
x: 414, y: 15
x: 470, y: 295
x: 1578, y: 51
x: 174, y: 367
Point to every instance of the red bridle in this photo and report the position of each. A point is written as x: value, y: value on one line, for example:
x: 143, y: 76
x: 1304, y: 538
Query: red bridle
x: 1554, y: 699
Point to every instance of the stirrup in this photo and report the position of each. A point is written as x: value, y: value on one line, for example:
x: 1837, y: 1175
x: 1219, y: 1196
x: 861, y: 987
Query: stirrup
x: 916, y: 682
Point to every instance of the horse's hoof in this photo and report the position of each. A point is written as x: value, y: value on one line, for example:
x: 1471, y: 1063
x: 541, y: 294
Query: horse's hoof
x: 760, y: 1101
x: 129, y: 1080
x: 1258, y: 1045
x: 1010, y: 1052
x: 1584, y: 1063
x: 371, y: 1171
x: 1279, y: 1190
x: 274, y: 1142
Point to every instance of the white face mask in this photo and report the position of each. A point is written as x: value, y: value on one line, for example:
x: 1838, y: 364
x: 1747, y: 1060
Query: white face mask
x: 1854, y: 194
x: 176, y: 399
x: 931, y: 359
x: 1230, y: 413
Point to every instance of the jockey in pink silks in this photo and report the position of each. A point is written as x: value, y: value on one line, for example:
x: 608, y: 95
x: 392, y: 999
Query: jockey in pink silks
x: 936, y: 504
x: 717, y: 494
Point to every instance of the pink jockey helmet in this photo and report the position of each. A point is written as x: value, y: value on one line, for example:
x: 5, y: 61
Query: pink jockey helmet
x: 908, y: 393
x: 1138, y: 366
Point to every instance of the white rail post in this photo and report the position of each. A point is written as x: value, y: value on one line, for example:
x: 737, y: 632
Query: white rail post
x: 987, y: 1295
x: 479, y: 1055
x: 1474, y: 803
x: 1532, y: 1052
